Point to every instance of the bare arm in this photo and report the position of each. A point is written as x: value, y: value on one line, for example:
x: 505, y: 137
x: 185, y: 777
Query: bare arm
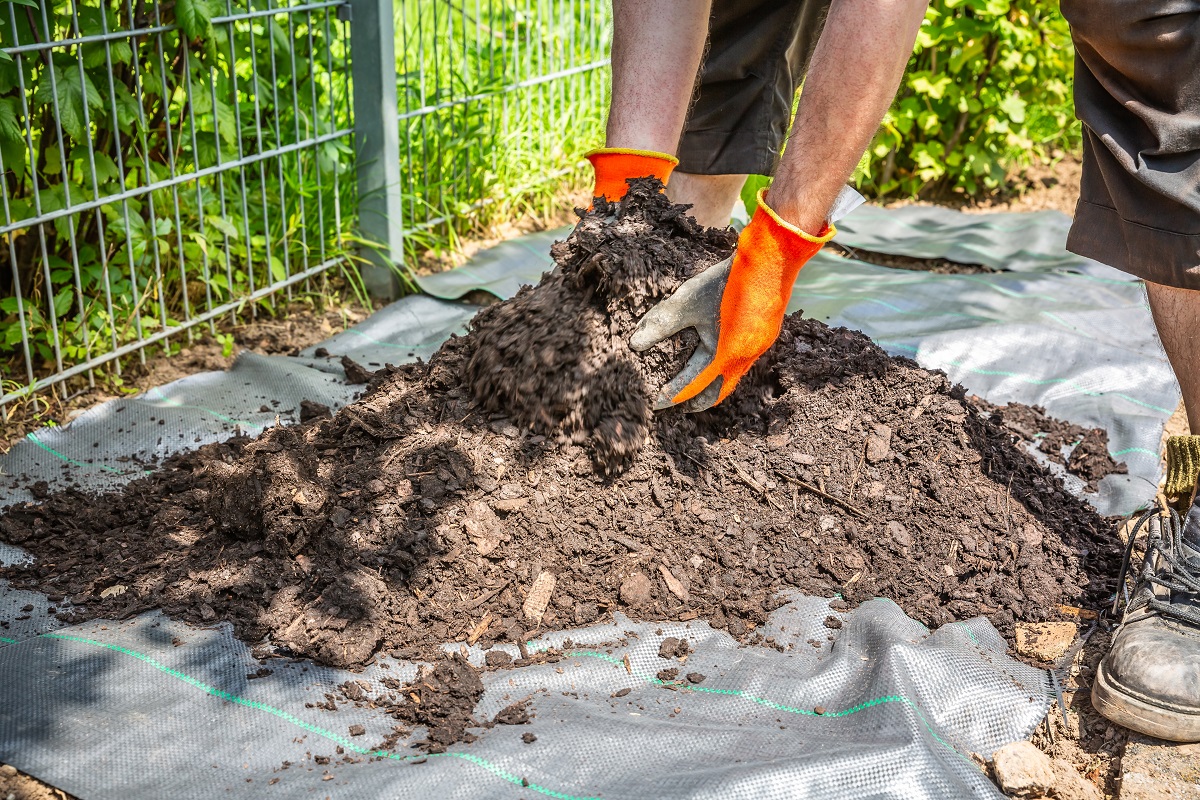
x: 851, y: 82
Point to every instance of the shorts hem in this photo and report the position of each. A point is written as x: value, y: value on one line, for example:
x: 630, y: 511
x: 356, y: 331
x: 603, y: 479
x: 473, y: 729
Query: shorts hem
x: 720, y: 152
x: 1152, y: 254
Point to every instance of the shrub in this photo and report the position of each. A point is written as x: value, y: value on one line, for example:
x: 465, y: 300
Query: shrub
x: 988, y: 89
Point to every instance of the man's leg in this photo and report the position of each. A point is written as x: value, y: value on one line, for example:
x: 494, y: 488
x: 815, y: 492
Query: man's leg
x: 656, y: 51
x: 1177, y: 317
x: 711, y: 197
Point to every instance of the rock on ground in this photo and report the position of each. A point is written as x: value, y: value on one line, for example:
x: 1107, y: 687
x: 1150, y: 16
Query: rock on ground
x: 1021, y: 770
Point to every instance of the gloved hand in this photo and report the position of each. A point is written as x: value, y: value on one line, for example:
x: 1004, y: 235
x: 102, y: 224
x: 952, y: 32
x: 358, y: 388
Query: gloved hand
x: 736, y: 306
x: 614, y: 166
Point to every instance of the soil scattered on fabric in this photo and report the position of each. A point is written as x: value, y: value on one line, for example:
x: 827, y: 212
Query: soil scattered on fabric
x: 518, y: 482
x: 941, y: 266
x: 443, y: 698
x: 1086, y: 449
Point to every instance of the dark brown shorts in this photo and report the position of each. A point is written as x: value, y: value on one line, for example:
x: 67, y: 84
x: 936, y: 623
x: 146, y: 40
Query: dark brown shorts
x: 1137, y: 91
x: 757, y: 53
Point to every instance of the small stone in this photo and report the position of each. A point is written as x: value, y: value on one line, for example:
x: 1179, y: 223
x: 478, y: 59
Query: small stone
x: 622, y: 692
x: 1022, y: 770
x: 819, y: 710
x: 357, y: 730
x: 636, y: 589
x: 695, y: 677
x: 1045, y: 641
x: 8, y: 770
x: 804, y: 458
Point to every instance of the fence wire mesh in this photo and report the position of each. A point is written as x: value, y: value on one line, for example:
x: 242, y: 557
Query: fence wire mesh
x: 496, y: 99
x: 167, y: 164
x: 161, y: 169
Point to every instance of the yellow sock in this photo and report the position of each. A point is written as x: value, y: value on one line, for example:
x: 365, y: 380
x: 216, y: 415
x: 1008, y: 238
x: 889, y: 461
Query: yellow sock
x: 1183, y: 466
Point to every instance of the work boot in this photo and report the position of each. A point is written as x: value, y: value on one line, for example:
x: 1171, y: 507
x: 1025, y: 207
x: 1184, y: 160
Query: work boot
x: 1150, y: 679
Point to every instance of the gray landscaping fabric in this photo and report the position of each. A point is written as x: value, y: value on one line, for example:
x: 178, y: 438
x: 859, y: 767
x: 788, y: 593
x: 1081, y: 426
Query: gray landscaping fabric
x: 153, y: 708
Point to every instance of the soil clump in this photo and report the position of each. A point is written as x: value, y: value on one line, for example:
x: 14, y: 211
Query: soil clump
x: 524, y: 458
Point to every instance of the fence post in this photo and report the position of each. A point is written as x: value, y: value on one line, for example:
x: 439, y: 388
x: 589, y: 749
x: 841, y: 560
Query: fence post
x: 377, y: 143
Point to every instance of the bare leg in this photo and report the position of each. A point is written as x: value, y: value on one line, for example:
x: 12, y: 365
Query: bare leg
x: 656, y: 51
x: 1177, y: 317
x: 711, y: 196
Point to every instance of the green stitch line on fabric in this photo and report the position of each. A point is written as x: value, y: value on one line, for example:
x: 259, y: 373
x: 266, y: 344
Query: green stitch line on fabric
x: 173, y: 403
x: 294, y: 720
x: 762, y: 701
x: 33, y: 438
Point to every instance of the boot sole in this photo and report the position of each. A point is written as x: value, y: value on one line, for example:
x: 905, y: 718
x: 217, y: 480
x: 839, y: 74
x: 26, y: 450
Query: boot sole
x: 1118, y: 705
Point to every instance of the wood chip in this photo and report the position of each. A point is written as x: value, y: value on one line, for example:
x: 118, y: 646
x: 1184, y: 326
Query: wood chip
x: 483, y: 527
x: 1082, y: 613
x: 673, y: 584
x: 539, y: 596
x: 480, y: 629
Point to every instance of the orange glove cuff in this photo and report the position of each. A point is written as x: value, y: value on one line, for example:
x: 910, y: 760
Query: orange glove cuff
x: 614, y: 166
x: 768, y: 245
x: 769, y: 256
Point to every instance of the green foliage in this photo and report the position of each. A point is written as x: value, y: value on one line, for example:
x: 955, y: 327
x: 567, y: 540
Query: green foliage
x: 988, y: 88
x: 82, y: 123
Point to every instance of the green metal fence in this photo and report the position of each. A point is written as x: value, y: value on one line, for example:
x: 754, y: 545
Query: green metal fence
x: 165, y: 164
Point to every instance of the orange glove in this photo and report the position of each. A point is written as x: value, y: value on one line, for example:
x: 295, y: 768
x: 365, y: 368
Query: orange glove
x: 736, y: 306
x: 614, y: 166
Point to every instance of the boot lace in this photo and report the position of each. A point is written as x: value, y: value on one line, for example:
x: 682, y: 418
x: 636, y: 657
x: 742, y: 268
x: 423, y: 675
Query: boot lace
x: 1164, y: 566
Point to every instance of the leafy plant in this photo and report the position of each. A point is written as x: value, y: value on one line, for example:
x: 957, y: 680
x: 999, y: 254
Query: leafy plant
x: 988, y: 88
x: 88, y: 126
x: 94, y: 122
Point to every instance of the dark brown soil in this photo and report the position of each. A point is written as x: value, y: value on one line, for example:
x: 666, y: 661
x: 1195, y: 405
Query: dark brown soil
x: 1088, y: 457
x: 442, y: 698
x: 429, y: 511
x: 941, y: 266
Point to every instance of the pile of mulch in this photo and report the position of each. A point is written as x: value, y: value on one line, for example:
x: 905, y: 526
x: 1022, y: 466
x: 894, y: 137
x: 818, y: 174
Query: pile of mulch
x: 519, y: 482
